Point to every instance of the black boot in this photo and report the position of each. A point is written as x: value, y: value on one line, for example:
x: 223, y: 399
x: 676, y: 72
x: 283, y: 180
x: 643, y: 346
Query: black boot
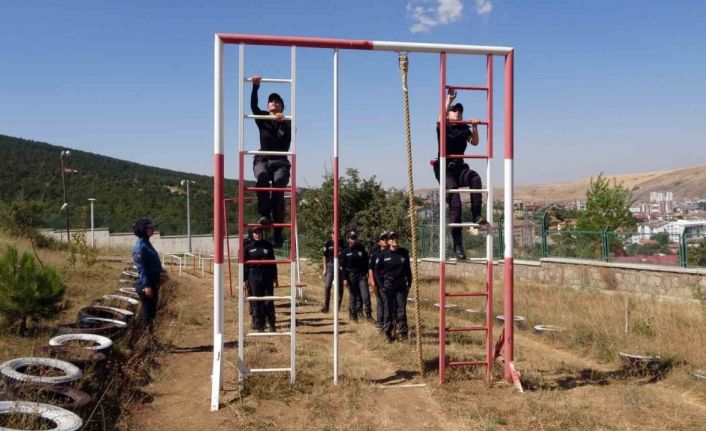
x: 477, y: 216
x: 459, y: 252
x: 272, y: 325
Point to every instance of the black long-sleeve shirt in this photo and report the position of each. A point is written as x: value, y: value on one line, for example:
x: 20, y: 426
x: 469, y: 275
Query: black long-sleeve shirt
x: 354, y: 260
x: 328, y: 251
x: 274, y: 135
x: 457, y: 136
x: 395, y: 268
x: 260, y: 250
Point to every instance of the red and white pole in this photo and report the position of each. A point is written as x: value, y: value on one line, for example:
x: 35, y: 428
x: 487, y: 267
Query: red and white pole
x: 442, y: 219
x: 509, y: 309
x: 489, y: 217
x: 336, y: 227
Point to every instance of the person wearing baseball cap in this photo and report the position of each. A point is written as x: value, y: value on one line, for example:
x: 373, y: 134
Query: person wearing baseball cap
x: 458, y: 173
x: 273, y: 170
x: 328, y: 272
x: 149, y: 270
x: 261, y: 279
x: 394, y: 264
x: 354, y: 263
x: 375, y: 279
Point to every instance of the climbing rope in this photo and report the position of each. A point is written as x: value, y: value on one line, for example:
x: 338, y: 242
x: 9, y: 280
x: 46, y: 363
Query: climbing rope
x: 404, y: 63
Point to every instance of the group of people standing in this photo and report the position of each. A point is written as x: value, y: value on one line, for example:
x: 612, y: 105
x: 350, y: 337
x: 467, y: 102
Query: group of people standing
x: 385, y: 270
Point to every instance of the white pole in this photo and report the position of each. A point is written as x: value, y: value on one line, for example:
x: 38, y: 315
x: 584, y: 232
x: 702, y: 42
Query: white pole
x: 293, y: 197
x: 93, y: 233
x: 336, y: 280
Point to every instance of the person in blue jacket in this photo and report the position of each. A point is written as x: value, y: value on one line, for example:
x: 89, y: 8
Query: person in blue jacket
x: 149, y: 269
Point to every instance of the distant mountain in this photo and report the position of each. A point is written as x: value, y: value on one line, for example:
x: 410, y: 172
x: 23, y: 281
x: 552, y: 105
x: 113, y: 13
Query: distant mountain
x: 123, y: 190
x: 685, y: 183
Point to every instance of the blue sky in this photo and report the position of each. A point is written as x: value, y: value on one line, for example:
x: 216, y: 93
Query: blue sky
x: 612, y: 86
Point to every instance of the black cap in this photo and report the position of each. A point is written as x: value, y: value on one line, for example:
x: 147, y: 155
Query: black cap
x: 352, y: 234
x: 257, y: 229
x: 456, y: 107
x: 393, y: 235
x: 141, y: 225
x: 274, y: 97
x: 384, y: 235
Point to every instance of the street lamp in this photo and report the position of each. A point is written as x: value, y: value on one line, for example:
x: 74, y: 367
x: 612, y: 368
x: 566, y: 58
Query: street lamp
x: 188, y: 211
x: 65, y: 207
x: 93, y: 235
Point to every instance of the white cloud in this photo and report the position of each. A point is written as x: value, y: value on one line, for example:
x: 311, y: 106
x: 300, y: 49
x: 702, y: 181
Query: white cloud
x: 428, y: 14
x: 483, y: 7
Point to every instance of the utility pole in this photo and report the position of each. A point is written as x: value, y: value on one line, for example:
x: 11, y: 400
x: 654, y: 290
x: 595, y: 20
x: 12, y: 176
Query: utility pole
x: 188, y: 212
x: 65, y: 206
x: 93, y: 234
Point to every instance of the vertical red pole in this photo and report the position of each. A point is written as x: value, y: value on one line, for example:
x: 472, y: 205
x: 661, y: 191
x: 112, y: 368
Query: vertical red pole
x: 218, y: 208
x: 509, y: 310
x: 225, y: 225
x: 489, y: 269
x: 442, y: 221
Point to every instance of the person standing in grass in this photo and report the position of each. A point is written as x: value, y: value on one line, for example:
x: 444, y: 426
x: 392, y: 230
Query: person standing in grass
x: 149, y: 269
x: 394, y: 265
x: 375, y: 279
x: 328, y: 273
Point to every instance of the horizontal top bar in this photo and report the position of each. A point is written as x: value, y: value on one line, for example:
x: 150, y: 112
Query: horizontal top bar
x: 272, y: 80
x: 318, y: 42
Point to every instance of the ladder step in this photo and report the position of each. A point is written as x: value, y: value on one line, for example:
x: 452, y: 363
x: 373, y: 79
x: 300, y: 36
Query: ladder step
x: 437, y: 305
x: 268, y: 225
x: 266, y: 262
x: 266, y: 117
x: 269, y: 370
x: 267, y: 189
x: 269, y: 153
x: 272, y: 80
x: 268, y: 298
x: 466, y: 190
x: 452, y: 294
x: 268, y: 334
x: 480, y: 123
x: 468, y: 156
x: 464, y: 363
x: 467, y: 87
x: 130, y: 274
x: 467, y: 329
x: 468, y: 224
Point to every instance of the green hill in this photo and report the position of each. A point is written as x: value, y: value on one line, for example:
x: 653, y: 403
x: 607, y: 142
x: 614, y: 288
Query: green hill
x: 123, y: 190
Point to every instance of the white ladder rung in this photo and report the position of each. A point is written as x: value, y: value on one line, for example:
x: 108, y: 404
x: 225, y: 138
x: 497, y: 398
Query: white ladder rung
x: 272, y: 80
x: 268, y: 334
x: 266, y: 117
x: 269, y: 153
x: 466, y: 190
x: 268, y: 298
x: 467, y: 224
x: 269, y: 370
x: 130, y: 273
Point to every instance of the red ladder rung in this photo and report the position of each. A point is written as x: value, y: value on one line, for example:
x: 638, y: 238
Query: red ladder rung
x: 467, y: 329
x: 464, y: 363
x: 467, y: 87
x: 466, y: 294
x: 268, y: 225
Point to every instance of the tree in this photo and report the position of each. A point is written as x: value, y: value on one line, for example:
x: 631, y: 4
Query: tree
x: 28, y: 292
x: 23, y: 220
x: 364, y: 205
x: 607, y: 207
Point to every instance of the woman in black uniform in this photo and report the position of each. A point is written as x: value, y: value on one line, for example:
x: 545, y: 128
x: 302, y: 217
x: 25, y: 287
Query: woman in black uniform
x: 261, y: 279
x: 394, y: 265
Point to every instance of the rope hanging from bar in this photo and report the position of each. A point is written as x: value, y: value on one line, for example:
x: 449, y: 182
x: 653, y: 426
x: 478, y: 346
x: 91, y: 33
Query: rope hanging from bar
x: 404, y: 66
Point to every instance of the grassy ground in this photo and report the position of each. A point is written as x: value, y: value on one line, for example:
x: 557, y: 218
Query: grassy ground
x: 574, y: 380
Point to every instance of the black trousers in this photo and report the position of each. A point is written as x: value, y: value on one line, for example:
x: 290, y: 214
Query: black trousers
x: 379, y: 302
x: 396, y: 311
x: 359, y: 294
x: 263, y: 311
x: 271, y: 173
x: 328, y: 283
x: 149, y: 306
x: 460, y: 175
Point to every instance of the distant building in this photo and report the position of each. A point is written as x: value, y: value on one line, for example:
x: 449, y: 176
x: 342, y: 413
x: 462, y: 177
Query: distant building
x: 580, y: 205
x: 663, y: 202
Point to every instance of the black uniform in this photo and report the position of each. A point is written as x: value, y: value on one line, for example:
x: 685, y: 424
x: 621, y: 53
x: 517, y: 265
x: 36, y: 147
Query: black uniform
x: 458, y: 174
x: 354, y: 262
x: 328, y: 279
x: 271, y: 171
x: 377, y: 275
x: 261, y: 280
x: 251, y: 306
x: 397, y: 280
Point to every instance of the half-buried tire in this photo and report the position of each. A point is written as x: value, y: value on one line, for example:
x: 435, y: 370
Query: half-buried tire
x: 13, y: 370
x: 62, y: 419
x: 76, y: 355
x: 100, y: 342
x: 61, y: 396
x: 105, y: 312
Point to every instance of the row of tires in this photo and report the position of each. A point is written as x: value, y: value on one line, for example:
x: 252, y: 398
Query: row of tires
x: 88, y: 341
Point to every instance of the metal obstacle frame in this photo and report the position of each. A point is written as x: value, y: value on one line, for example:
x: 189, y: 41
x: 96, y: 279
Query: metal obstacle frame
x: 221, y: 39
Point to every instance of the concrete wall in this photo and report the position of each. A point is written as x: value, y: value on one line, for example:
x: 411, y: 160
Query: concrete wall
x: 668, y: 282
x: 163, y: 244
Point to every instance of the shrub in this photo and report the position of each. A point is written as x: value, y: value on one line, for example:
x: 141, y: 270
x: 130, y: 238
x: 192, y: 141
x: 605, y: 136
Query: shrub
x: 28, y: 292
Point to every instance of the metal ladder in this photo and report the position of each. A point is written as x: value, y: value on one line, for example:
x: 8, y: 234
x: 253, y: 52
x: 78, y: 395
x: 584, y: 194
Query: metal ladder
x: 443, y: 225
x: 243, y: 369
